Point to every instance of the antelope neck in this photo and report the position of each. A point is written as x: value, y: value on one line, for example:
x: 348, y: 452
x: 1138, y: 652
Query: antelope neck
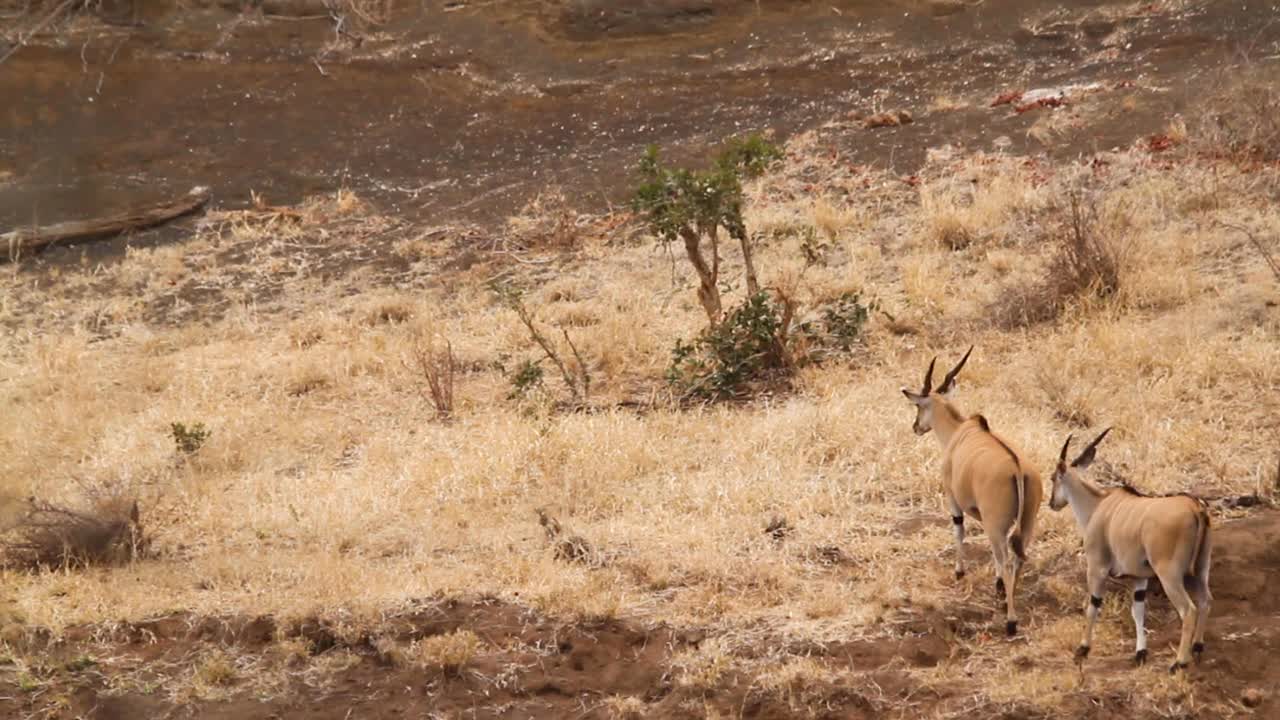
x: 1082, y: 495
x: 946, y: 420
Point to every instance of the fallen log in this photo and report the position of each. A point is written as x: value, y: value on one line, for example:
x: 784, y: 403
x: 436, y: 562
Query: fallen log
x: 33, y: 240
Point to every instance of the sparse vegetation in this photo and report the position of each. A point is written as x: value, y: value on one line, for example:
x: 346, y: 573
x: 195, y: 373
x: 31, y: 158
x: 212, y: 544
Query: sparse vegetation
x: 216, y: 670
x: 529, y: 375
x: 188, y: 439
x: 845, y: 318
x: 526, y: 379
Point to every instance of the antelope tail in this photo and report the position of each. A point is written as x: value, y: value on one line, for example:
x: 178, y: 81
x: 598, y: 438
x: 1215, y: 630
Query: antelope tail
x: 1198, y: 562
x: 1015, y: 529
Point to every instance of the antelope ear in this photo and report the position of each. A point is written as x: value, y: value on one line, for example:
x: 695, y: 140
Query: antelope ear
x: 913, y: 397
x: 1086, y: 458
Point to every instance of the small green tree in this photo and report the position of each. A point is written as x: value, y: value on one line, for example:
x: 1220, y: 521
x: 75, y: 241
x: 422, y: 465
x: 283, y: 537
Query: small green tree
x: 688, y: 206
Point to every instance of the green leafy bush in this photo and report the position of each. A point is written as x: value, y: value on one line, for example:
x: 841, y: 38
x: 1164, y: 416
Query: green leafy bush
x: 843, y: 320
x: 720, y: 362
x: 527, y: 378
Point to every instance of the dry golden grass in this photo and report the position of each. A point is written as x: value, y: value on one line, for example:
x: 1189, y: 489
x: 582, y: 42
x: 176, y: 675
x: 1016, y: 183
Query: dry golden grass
x: 448, y: 653
x: 324, y: 486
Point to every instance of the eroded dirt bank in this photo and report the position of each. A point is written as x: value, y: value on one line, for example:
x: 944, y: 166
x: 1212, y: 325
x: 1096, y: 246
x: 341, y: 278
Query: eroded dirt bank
x: 526, y: 665
x: 457, y: 110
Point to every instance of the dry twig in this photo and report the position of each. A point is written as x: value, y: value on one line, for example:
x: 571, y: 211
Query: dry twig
x: 438, y: 369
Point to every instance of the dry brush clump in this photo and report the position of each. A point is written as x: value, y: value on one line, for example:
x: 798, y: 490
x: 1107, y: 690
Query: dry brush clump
x: 1090, y: 262
x: 434, y: 362
x: 1241, y: 117
x: 104, y: 530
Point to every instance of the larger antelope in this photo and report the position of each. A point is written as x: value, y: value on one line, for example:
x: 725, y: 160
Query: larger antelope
x: 1133, y: 538
x: 983, y: 477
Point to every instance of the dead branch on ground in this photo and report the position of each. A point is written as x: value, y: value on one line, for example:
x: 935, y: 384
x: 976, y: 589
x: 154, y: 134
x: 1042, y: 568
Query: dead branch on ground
x: 38, y: 239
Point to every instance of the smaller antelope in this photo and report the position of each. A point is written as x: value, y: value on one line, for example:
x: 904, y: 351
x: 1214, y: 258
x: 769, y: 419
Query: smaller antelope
x: 1133, y: 537
x: 983, y: 478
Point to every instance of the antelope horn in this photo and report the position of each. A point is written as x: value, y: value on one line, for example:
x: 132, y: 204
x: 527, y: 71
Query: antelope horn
x: 928, y: 377
x: 950, y: 380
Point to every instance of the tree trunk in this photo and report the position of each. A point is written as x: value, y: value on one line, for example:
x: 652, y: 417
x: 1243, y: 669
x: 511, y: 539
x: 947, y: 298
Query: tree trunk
x: 753, y: 284
x: 708, y: 290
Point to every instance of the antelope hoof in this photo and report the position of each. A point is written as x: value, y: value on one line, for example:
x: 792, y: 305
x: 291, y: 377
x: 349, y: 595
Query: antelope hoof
x: 1197, y: 650
x: 1082, y: 652
x: 1000, y: 586
x: 959, y: 574
x: 1011, y: 628
x: 1177, y: 667
x: 1140, y: 657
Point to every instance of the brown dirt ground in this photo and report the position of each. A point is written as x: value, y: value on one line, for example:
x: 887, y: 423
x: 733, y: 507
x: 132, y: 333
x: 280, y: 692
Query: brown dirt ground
x: 537, y: 667
x: 465, y: 110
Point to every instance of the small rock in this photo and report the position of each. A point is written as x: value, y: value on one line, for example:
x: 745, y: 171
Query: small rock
x: 888, y: 119
x: 1252, y: 697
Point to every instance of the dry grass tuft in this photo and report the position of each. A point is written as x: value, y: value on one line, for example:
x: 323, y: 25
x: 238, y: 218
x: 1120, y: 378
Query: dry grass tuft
x: 390, y: 311
x: 988, y: 202
x: 704, y: 667
x: 216, y: 671
x: 566, y: 546
x: 801, y: 683
x: 547, y: 222
x: 448, y: 653
x: 626, y: 707
x: 390, y: 653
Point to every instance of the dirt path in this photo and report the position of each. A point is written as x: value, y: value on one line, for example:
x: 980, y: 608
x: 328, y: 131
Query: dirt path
x: 531, y: 666
x: 456, y: 110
